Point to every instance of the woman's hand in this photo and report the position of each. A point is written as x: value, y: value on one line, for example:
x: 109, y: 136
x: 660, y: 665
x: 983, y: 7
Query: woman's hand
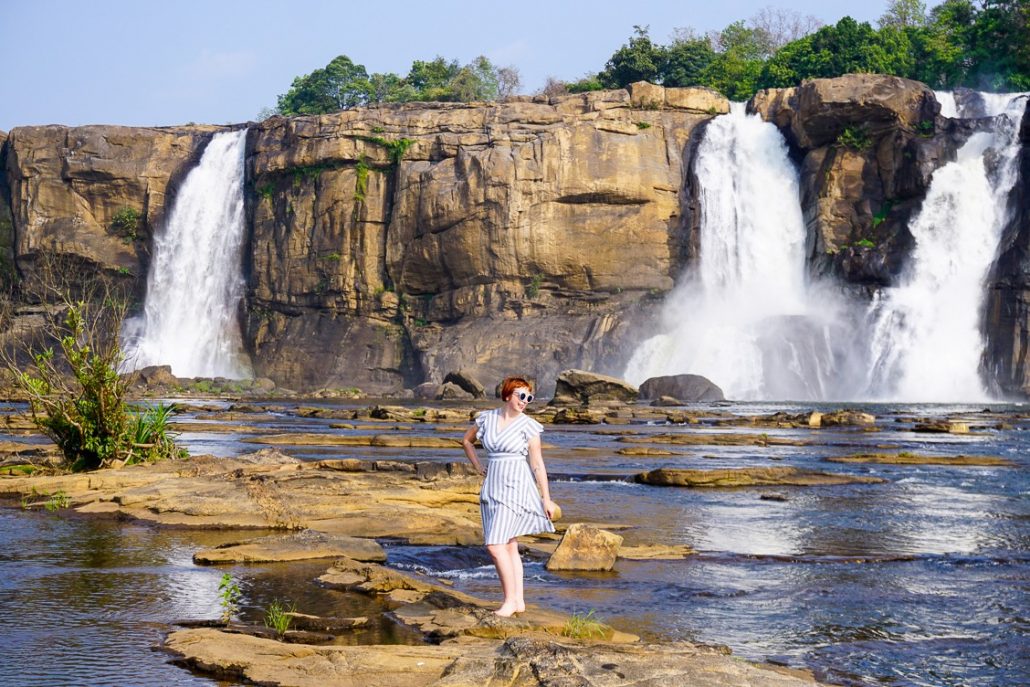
x: 481, y: 470
x: 550, y: 508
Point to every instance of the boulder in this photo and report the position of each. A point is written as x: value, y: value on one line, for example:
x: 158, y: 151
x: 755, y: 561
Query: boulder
x: 819, y: 110
x: 942, y: 427
x: 428, y: 391
x: 684, y: 387
x: 582, y: 387
x: 452, y: 392
x: 156, y: 376
x: 840, y: 418
x: 467, y: 381
x: 584, y: 547
x: 697, y: 99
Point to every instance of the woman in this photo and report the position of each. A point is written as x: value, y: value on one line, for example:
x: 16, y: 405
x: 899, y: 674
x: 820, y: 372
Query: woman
x: 509, y: 503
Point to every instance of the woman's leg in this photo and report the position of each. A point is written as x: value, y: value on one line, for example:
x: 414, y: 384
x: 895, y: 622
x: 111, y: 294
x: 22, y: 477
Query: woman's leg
x: 516, y: 566
x: 505, y: 571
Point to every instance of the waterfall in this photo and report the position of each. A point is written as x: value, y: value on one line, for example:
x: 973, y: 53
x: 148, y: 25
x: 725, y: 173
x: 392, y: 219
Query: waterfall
x: 925, y: 332
x: 746, y: 319
x: 194, y: 285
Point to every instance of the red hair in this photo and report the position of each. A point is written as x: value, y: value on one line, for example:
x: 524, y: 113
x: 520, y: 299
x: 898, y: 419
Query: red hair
x: 509, y: 385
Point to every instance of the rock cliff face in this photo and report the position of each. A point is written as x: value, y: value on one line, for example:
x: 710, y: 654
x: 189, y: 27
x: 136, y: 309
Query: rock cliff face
x: 94, y: 193
x: 392, y: 245
x: 1007, y: 316
x: 389, y: 246
x: 867, y: 146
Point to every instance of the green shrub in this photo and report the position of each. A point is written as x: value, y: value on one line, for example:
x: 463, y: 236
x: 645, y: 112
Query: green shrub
x: 151, y: 435
x: 880, y: 216
x: 126, y: 222
x: 854, y: 138
x: 643, y: 125
x: 865, y: 243
x: 57, y: 501
x: 533, y: 290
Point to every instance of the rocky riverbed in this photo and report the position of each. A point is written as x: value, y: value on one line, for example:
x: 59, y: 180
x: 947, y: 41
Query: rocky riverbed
x: 341, y: 480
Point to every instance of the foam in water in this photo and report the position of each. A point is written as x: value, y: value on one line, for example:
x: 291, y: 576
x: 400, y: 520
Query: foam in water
x: 195, y: 282
x: 926, y: 335
x: 747, y: 319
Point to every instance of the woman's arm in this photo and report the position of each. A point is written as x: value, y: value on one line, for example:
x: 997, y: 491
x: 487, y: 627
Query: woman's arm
x: 468, y: 444
x: 536, y: 464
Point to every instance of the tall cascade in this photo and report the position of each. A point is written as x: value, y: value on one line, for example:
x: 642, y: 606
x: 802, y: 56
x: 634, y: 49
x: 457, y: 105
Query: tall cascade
x: 746, y: 317
x: 926, y: 336
x: 195, y: 284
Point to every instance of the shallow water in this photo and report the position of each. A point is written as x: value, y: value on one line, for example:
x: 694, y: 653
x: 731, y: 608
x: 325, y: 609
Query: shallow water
x: 922, y: 580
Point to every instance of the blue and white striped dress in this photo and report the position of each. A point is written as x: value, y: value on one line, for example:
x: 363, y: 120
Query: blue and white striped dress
x: 509, y: 501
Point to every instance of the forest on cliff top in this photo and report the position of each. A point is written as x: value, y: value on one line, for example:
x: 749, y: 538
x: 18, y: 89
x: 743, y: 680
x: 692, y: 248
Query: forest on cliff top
x: 983, y: 45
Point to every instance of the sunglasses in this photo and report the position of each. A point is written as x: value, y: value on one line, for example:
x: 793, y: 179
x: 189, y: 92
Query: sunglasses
x: 524, y: 396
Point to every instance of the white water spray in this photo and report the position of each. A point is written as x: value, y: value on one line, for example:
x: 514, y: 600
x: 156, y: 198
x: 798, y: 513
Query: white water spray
x: 926, y: 336
x: 194, y: 285
x: 747, y: 319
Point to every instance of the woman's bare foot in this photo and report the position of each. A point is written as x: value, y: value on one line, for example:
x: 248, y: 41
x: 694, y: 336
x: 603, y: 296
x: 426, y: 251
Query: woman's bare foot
x: 520, y: 607
x: 506, y: 610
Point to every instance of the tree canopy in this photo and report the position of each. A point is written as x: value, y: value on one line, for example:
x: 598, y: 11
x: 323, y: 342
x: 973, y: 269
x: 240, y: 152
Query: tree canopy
x: 342, y: 84
x: 983, y: 44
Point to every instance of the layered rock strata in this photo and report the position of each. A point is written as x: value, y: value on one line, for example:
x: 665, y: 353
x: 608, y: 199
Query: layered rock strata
x: 395, y: 244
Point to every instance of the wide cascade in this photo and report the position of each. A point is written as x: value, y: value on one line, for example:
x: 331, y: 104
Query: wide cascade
x: 194, y: 286
x: 926, y: 334
x: 745, y: 315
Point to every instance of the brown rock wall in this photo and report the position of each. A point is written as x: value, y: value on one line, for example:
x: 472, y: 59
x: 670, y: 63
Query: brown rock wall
x: 67, y: 184
x: 522, y: 235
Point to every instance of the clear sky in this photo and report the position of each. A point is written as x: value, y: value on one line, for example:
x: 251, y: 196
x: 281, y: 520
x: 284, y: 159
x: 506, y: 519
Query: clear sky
x: 140, y: 62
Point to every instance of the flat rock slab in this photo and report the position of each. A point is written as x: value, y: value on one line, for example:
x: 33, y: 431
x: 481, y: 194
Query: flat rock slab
x: 293, y: 547
x: 380, y: 440
x: 526, y: 661
x: 915, y: 459
x: 748, y: 477
x: 712, y: 439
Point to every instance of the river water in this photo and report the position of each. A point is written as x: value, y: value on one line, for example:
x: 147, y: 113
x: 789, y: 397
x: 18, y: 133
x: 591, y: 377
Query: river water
x: 921, y: 580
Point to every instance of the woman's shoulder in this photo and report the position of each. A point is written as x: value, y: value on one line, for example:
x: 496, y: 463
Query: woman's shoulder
x: 531, y: 425
x: 482, y: 417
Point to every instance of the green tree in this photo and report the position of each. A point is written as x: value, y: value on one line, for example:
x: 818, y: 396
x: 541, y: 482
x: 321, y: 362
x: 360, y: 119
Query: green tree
x: 638, y: 60
x: 430, y: 79
x: 904, y: 14
x: 687, y: 61
x: 341, y: 84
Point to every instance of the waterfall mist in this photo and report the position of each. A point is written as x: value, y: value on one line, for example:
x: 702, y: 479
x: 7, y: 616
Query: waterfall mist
x: 746, y: 316
x: 195, y: 283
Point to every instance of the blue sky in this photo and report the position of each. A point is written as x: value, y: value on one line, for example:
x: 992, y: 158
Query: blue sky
x: 145, y: 63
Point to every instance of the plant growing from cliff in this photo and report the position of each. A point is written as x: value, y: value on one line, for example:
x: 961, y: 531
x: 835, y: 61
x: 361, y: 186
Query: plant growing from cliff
x: 126, y: 222
x: 854, y: 138
x: 865, y: 243
x: 881, y: 216
x: 925, y: 128
x: 228, y: 597
x: 266, y: 192
x: 396, y: 149
x: 643, y: 125
x: 361, y: 170
x: 533, y: 290
x: 278, y: 617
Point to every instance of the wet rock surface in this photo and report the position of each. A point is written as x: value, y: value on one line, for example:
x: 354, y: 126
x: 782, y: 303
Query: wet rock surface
x: 748, y: 477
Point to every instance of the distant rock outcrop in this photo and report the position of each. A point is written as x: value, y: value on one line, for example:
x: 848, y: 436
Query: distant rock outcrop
x: 686, y: 388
